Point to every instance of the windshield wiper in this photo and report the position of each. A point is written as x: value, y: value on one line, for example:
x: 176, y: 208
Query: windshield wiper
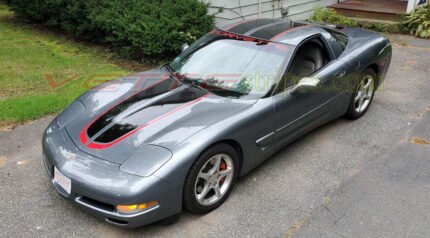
x: 225, y: 92
x: 200, y: 84
x: 172, y: 72
x: 184, y: 79
x: 193, y: 82
x: 212, y: 87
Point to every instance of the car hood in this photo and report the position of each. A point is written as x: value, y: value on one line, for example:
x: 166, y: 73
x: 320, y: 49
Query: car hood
x: 112, y: 121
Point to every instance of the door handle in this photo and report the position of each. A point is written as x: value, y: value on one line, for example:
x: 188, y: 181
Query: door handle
x: 341, y: 74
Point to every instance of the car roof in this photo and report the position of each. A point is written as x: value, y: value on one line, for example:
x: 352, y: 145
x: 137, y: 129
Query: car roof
x: 276, y: 30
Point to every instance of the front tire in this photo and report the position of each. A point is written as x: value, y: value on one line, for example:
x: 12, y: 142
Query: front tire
x: 210, y: 179
x: 363, y: 95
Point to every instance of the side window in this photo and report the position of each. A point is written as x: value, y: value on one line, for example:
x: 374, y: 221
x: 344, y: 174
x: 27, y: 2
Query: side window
x: 308, y: 59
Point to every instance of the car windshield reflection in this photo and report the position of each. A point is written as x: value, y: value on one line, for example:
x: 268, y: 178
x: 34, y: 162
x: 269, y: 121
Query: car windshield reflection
x: 228, y: 66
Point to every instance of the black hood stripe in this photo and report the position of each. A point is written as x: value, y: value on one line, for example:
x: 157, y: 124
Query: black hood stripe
x: 84, y: 137
x: 99, y: 146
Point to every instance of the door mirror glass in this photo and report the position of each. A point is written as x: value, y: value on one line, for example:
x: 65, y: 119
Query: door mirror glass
x: 306, y: 85
x: 184, y: 47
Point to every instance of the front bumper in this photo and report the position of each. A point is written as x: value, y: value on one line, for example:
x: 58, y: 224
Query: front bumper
x: 99, y: 185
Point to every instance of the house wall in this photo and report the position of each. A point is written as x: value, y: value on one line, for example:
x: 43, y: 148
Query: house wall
x: 412, y: 4
x: 234, y: 10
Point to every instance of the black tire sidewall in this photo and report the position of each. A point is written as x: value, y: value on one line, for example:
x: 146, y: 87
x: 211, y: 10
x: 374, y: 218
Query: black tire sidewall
x: 352, y: 113
x: 189, y: 200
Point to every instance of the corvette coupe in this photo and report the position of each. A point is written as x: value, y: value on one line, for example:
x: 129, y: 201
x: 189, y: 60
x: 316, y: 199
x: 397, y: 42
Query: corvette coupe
x: 139, y: 149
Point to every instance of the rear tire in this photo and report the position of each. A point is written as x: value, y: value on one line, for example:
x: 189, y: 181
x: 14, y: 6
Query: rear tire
x: 211, y: 179
x: 363, y: 95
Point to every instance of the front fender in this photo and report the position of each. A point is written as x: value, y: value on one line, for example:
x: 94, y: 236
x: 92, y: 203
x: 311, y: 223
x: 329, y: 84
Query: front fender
x: 244, y: 127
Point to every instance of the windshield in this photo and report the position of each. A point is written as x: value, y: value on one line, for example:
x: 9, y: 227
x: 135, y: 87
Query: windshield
x: 232, y: 65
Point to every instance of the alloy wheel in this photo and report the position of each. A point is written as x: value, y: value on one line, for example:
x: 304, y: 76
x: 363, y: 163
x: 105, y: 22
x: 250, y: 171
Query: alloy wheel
x: 214, y: 179
x: 364, y: 94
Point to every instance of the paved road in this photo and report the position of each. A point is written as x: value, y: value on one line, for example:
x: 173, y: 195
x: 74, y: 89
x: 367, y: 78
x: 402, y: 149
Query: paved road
x: 346, y: 179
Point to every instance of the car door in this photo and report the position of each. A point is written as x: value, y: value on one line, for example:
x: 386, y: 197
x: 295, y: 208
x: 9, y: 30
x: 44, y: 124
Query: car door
x: 298, y: 112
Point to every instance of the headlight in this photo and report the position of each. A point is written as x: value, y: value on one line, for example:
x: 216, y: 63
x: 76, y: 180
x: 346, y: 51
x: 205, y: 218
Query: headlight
x: 146, y: 160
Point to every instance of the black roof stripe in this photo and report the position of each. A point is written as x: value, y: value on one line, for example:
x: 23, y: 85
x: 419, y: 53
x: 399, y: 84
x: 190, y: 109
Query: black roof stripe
x: 277, y: 30
x: 248, y: 25
x: 270, y: 31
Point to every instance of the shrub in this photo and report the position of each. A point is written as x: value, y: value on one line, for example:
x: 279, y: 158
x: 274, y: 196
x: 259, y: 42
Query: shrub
x: 140, y: 29
x: 418, y: 22
x: 381, y: 27
x: 329, y: 15
x: 152, y: 28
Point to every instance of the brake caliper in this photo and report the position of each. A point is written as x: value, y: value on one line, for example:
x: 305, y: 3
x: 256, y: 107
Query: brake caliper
x: 222, y: 166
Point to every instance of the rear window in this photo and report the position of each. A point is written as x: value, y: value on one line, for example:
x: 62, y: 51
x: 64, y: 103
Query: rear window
x: 341, y: 39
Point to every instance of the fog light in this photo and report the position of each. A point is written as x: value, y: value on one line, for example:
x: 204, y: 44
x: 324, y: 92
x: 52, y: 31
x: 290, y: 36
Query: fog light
x: 127, y: 209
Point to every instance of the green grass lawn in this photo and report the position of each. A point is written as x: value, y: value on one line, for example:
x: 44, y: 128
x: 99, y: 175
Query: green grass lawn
x: 41, y: 72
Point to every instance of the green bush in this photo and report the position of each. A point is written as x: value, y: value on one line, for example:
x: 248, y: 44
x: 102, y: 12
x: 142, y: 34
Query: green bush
x: 418, y: 22
x: 139, y: 28
x: 381, y: 27
x: 329, y: 15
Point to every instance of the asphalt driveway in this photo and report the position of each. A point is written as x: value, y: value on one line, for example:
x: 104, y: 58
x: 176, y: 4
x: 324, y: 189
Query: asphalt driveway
x: 364, y: 178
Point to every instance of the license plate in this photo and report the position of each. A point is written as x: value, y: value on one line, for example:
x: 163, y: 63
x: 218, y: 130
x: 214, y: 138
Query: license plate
x: 62, y: 180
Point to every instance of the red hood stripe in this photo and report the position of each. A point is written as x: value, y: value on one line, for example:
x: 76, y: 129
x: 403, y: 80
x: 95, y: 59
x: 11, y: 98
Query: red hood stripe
x: 100, y: 146
x: 83, y: 136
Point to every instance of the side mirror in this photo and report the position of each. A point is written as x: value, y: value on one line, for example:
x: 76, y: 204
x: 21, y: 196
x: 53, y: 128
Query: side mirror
x: 305, y: 85
x: 184, y: 47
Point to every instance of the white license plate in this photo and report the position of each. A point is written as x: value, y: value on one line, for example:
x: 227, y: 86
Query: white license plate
x: 62, y: 180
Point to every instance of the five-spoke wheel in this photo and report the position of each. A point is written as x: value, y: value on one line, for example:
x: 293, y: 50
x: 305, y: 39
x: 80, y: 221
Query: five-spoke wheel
x: 210, y: 179
x: 214, y: 179
x: 363, y: 95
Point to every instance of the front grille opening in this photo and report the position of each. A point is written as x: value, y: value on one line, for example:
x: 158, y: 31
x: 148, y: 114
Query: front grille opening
x: 98, y: 204
x: 117, y: 222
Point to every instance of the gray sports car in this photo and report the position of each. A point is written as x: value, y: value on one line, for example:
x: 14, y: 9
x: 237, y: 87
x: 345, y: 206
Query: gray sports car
x: 138, y: 149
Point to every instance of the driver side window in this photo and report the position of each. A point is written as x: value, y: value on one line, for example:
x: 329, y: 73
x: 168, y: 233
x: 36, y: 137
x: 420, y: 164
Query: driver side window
x: 308, y: 59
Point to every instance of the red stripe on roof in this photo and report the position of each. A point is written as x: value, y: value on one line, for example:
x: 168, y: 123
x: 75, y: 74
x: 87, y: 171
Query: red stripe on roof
x: 289, y: 30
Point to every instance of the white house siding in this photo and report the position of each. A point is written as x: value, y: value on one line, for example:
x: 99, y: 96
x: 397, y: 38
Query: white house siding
x: 234, y: 10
